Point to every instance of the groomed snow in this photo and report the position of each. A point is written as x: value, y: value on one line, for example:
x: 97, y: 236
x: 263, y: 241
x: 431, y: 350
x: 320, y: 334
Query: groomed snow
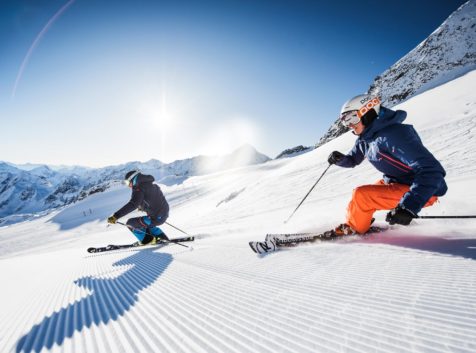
x: 411, y: 289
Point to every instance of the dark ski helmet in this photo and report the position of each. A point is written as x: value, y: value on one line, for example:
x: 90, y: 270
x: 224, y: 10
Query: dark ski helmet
x: 130, y: 175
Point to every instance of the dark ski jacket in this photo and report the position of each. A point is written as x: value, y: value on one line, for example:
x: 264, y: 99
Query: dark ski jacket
x: 147, y: 197
x: 396, y: 150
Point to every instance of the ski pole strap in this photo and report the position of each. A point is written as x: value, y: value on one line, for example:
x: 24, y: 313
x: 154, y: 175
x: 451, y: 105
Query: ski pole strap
x: 435, y: 217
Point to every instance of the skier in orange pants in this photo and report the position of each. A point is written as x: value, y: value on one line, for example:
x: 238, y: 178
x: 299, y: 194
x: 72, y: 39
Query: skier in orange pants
x: 367, y: 199
x: 412, y: 177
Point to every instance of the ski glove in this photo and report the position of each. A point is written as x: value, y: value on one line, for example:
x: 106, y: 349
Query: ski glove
x: 335, y: 157
x: 112, y: 220
x: 400, y: 215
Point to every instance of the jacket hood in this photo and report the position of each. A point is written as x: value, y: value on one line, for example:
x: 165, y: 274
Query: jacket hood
x: 386, y: 117
x: 143, y: 178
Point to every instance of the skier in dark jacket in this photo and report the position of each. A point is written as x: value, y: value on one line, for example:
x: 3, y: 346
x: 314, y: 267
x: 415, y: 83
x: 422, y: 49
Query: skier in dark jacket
x: 147, y: 197
x: 412, y: 177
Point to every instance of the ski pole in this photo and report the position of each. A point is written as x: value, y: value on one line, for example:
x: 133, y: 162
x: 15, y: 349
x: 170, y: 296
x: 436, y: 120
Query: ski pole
x: 165, y: 240
x: 308, y: 193
x: 180, y: 230
x: 432, y: 217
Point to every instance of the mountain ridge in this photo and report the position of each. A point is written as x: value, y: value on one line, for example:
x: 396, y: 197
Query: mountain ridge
x: 39, y: 188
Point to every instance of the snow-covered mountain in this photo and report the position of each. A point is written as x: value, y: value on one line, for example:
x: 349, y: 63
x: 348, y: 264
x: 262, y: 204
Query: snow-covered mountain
x: 22, y: 191
x: 409, y: 289
x: 447, y: 53
x: 28, y: 189
x: 295, y: 151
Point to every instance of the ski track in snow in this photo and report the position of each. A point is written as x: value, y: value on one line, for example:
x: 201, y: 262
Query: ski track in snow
x: 358, y: 299
x: 410, y: 289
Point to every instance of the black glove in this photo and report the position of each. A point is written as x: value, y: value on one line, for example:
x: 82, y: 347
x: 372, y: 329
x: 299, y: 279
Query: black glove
x: 335, y: 157
x: 112, y: 220
x: 400, y: 215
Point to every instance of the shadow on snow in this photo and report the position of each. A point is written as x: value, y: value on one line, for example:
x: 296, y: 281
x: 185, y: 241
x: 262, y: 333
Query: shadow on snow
x: 110, y: 299
x: 455, y: 247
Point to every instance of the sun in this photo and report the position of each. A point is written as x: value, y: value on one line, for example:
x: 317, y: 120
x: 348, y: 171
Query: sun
x: 157, y: 114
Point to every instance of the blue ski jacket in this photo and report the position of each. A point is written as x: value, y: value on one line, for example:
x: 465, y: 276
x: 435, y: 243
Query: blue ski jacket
x: 396, y: 150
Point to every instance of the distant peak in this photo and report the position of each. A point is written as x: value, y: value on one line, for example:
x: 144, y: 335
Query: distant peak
x: 245, y: 147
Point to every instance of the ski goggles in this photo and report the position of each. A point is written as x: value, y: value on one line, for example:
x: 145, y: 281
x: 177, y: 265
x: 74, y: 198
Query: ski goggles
x: 350, y: 118
x: 129, y: 180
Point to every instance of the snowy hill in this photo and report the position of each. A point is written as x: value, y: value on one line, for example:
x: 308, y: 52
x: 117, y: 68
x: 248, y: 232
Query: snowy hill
x: 410, y: 289
x: 28, y: 189
x: 447, y: 53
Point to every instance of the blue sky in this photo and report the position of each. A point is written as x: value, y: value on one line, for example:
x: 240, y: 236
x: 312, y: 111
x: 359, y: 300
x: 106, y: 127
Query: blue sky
x: 96, y: 83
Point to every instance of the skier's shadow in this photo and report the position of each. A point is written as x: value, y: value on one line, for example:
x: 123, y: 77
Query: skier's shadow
x: 456, y: 247
x: 111, y: 298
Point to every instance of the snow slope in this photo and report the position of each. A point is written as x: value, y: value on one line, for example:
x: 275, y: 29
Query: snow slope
x: 410, y: 289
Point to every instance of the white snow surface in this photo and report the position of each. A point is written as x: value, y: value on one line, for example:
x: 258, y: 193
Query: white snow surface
x: 409, y: 289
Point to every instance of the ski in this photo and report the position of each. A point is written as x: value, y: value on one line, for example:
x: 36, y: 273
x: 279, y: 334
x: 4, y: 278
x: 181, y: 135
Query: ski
x: 112, y: 247
x: 273, y: 242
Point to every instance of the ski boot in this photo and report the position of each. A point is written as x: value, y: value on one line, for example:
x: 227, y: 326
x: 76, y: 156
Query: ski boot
x: 158, y: 239
x: 339, y: 231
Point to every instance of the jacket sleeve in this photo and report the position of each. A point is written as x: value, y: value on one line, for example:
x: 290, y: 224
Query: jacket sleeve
x: 405, y: 144
x: 353, y: 158
x: 135, y: 201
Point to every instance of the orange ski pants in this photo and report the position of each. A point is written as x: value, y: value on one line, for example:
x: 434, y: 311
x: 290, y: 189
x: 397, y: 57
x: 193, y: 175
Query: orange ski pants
x: 367, y: 199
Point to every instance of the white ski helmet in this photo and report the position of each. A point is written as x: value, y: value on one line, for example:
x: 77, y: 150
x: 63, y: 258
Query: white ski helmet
x: 355, y: 108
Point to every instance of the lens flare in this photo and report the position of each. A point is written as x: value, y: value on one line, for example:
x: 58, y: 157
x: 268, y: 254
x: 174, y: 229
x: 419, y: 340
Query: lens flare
x: 35, y: 43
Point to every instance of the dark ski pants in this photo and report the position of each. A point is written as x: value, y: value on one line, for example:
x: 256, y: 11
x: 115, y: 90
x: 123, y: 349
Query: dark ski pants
x: 146, y: 228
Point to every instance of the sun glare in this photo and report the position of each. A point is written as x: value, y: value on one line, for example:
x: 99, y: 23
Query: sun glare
x: 157, y: 114
x: 225, y: 139
x: 229, y: 135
